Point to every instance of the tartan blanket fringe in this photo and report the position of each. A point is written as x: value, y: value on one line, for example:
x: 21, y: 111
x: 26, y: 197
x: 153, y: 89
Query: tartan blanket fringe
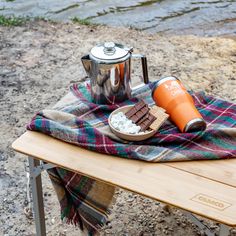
x: 84, y: 202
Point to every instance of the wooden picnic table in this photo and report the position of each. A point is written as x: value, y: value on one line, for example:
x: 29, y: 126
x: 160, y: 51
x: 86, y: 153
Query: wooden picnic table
x: 205, y: 188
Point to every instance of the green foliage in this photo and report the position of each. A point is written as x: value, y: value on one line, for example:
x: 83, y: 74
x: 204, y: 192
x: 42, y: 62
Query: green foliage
x: 18, y: 21
x: 11, y: 21
x: 82, y: 21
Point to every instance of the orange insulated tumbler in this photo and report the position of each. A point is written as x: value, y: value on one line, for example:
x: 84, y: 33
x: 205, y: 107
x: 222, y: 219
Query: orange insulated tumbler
x: 171, y: 95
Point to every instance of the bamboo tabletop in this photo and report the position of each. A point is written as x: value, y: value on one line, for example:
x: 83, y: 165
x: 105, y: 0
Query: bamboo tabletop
x: 207, y: 188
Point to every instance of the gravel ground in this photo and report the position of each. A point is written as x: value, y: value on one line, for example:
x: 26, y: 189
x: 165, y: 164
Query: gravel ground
x: 38, y: 62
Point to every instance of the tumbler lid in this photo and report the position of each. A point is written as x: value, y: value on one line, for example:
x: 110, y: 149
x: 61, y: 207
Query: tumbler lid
x: 164, y: 79
x: 161, y: 81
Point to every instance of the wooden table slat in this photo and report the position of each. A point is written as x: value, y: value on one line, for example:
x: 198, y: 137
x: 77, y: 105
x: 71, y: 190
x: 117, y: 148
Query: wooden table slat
x: 223, y: 171
x: 194, y: 193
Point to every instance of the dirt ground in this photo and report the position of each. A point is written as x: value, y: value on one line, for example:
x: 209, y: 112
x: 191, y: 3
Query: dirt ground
x: 38, y: 62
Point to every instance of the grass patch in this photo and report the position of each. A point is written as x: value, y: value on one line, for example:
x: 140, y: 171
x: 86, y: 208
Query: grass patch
x: 18, y: 21
x: 42, y: 18
x: 12, y: 20
x: 82, y: 21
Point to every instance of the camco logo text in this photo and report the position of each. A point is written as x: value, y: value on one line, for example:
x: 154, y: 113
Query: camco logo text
x: 211, y: 202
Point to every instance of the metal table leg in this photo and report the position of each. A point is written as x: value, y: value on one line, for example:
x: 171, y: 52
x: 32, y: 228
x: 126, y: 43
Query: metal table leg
x: 198, y: 223
x: 37, y: 195
x: 224, y: 230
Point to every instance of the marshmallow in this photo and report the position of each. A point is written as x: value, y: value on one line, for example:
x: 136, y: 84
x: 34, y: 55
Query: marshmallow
x: 120, y: 122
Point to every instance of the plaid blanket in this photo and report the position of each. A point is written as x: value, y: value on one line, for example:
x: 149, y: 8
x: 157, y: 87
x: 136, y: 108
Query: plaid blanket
x: 75, y: 119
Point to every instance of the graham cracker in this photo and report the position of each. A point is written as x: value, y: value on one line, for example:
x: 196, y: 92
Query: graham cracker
x: 160, y: 115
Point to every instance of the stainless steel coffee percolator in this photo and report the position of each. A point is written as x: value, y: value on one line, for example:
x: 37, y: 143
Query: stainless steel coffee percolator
x: 108, y: 66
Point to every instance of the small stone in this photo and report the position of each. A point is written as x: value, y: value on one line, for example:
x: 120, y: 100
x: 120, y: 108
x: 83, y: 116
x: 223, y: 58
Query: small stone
x: 233, y: 232
x: 130, y: 200
x: 165, y: 232
x: 166, y: 208
x: 213, y: 227
x: 178, y: 222
x: 160, y: 220
x: 151, y: 225
x: 183, y: 225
